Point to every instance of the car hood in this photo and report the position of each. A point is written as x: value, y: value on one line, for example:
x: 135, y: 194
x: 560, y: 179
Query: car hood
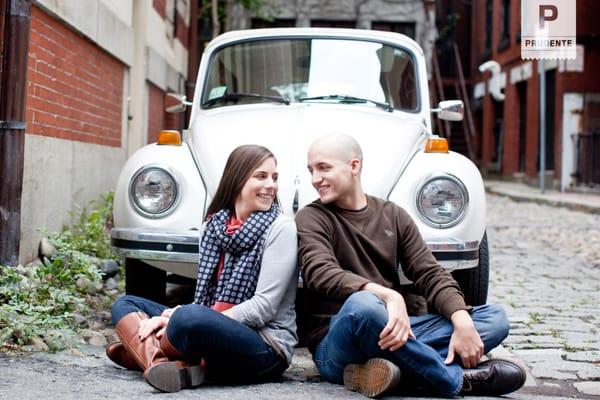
x: 388, y: 140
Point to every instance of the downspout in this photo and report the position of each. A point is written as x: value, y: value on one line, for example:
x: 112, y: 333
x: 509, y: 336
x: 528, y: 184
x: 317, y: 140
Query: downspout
x: 13, y: 94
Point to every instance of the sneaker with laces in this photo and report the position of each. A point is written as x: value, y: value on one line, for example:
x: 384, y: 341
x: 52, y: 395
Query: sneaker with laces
x: 373, y: 378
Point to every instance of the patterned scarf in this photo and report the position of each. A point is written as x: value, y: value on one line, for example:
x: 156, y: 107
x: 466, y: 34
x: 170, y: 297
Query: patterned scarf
x: 239, y: 276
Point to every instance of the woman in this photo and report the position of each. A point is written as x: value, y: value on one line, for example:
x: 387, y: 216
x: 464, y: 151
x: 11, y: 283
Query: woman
x: 241, y: 326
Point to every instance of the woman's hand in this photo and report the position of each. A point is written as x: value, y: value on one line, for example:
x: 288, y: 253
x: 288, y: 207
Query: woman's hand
x: 149, y: 326
x: 169, y: 311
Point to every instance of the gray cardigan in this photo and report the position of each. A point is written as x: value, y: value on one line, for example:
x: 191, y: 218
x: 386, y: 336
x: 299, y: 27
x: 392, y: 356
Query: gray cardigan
x: 271, y: 310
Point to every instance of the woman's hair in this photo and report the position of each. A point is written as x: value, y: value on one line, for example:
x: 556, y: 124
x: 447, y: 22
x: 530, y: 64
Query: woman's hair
x: 242, y: 161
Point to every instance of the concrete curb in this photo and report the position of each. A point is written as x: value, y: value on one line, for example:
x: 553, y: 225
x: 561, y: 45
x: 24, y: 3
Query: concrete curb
x: 541, y: 199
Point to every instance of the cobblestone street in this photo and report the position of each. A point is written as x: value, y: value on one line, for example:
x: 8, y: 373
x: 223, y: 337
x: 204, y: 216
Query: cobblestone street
x: 545, y: 271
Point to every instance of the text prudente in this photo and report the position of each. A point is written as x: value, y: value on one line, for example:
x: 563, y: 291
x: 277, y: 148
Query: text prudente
x: 549, y: 42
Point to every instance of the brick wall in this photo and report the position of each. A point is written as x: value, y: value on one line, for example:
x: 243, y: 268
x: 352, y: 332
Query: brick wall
x: 509, y: 57
x: 181, y: 30
x: 156, y: 106
x: 160, y: 6
x: 158, y: 118
x: 74, y: 88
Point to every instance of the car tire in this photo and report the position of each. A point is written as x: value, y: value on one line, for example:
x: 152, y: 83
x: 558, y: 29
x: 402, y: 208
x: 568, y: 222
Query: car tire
x: 145, y: 281
x: 474, y: 282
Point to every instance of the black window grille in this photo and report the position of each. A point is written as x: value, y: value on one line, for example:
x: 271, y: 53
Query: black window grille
x: 588, y: 158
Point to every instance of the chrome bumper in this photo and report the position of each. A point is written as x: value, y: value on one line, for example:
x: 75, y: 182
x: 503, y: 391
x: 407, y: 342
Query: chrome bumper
x: 156, y: 245
x: 178, y: 246
x: 455, y: 254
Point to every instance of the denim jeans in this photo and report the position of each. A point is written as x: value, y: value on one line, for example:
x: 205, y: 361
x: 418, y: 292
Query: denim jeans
x: 354, y: 332
x: 233, y: 352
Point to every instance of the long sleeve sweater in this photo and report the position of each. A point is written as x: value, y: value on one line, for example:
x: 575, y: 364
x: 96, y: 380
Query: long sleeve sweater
x: 271, y: 310
x: 341, y: 250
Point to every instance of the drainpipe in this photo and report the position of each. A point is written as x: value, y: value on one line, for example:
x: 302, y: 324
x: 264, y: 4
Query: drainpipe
x: 13, y: 93
x: 542, y: 71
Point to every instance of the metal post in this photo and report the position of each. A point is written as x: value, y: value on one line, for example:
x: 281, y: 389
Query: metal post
x: 542, y: 71
x: 13, y: 85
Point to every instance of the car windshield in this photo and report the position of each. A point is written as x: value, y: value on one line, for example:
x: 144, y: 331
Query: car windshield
x: 312, y: 71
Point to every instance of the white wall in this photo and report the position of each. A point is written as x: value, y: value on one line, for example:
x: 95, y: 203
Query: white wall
x: 61, y: 176
x: 571, y: 124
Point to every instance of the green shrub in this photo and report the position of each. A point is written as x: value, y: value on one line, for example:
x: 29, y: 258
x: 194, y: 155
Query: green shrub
x: 38, y: 301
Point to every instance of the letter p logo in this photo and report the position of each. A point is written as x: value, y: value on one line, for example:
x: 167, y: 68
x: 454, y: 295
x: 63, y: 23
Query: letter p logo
x: 544, y: 16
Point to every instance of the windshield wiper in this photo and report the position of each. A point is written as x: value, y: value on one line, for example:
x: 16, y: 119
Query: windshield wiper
x: 349, y: 99
x: 236, y: 96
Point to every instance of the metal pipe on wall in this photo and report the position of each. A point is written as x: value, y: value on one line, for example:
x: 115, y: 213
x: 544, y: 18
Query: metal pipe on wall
x: 542, y: 71
x: 13, y: 94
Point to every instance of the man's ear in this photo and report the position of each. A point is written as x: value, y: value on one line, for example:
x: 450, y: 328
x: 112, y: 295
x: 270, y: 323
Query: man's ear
x: 355, y: 166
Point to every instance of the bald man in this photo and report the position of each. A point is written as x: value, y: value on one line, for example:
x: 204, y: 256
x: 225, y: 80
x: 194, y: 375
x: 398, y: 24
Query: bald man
x: 359, y: 330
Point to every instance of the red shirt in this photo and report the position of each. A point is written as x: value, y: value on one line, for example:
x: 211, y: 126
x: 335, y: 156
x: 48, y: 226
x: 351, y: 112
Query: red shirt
x: 232, y: 226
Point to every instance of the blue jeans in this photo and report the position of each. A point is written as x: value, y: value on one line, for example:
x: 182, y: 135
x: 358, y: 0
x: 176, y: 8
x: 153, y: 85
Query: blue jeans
x: 232, y: 351
x: 354, y: 332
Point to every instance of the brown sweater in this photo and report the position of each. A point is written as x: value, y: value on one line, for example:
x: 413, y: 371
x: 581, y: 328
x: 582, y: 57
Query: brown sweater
x: 341, y: 250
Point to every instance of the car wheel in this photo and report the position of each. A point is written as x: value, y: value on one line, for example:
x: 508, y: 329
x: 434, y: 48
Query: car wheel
x: 145, y: 281
x: 474, y: 282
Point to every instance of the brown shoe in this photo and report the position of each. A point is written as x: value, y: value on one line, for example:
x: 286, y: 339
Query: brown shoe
x: 494, y: 377
x: 373, y: 378
x: 116, y: 353
x: 174, y: 375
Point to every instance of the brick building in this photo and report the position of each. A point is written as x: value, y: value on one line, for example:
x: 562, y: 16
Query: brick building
x: 97, y: 74
x: 508, y: 125
x: 415, y: 19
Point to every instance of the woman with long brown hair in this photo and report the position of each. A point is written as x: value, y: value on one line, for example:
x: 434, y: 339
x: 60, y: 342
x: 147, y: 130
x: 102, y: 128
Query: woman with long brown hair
x: 241, y: 326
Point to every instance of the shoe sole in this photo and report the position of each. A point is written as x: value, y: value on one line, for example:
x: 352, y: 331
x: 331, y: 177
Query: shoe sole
x: 373, y: 378
x: 168, y: 377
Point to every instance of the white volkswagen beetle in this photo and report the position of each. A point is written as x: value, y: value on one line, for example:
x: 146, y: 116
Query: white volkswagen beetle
x: 283, y: 88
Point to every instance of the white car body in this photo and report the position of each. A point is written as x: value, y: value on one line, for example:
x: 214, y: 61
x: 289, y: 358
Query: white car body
x: 395, y: 163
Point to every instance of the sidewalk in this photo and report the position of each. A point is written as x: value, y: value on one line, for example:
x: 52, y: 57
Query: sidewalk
x: 584, y: 202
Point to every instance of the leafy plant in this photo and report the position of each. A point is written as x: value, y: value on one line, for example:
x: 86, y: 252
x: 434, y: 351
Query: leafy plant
x: 39, y: 302
x: 89, y: 232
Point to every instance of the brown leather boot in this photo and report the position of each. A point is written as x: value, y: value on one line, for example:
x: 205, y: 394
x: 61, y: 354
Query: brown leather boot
x: 142, y: 352
x: 173, y: 376
x: 116, y: 353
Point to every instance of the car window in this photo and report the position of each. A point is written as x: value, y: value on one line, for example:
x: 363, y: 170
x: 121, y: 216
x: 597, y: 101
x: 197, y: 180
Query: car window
x: 319, y: 70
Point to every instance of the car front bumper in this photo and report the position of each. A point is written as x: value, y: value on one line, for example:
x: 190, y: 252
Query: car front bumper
x: 182, y: 247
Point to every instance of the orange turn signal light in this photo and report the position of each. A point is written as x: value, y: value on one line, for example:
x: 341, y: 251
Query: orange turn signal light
x: 436, y: 145
x: 172, y: 138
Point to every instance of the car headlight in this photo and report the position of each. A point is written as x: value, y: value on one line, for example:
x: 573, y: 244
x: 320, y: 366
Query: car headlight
x: 154, y: 191
x: 442, y: 201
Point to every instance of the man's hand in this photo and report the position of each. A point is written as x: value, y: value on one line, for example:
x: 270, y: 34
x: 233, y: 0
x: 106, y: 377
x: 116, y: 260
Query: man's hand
x: 465, y: 341
x: 397, y: 330
x: 149, y: 326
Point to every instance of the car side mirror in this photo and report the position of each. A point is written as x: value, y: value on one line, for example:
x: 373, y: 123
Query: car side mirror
x: 176, y: 103
x: 450, y: 110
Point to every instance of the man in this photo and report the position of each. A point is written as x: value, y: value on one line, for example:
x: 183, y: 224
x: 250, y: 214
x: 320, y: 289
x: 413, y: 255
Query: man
x: 359, y: 330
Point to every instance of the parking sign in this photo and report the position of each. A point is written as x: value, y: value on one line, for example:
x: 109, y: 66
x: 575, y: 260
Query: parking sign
x: 548, y: 29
